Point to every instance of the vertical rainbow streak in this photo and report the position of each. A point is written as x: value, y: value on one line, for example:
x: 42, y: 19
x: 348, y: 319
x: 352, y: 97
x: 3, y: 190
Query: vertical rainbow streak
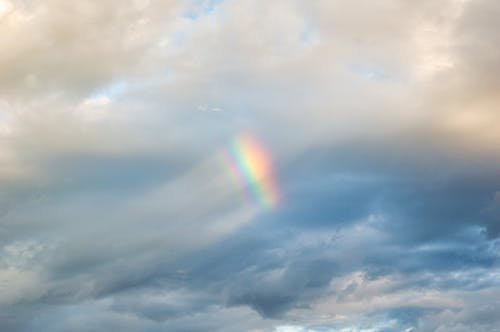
x: 234, y: 170
x: 251, y: 165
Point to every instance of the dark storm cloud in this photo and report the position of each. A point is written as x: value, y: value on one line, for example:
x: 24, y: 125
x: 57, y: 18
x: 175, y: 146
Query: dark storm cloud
x: 254, y: 268
x: 434, y: 199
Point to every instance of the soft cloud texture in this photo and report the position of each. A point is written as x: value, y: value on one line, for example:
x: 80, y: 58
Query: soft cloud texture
x: 117, y: 210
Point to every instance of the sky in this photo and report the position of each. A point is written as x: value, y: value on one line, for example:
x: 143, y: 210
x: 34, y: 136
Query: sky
x: 250, y: 165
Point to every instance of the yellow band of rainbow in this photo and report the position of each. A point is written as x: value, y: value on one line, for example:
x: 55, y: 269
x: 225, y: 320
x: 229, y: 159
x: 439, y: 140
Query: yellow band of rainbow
x: 252, y: 167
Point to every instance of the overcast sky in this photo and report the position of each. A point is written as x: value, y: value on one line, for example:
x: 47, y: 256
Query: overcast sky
x: 250, y: 165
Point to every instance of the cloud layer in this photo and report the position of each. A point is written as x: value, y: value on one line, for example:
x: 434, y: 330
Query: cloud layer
x: 119, y: 211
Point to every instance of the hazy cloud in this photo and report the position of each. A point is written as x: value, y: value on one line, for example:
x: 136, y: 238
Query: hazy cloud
x: 119, y: 210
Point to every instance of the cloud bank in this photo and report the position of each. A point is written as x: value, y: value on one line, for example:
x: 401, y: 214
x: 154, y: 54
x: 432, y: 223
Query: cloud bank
x: 118, y: 209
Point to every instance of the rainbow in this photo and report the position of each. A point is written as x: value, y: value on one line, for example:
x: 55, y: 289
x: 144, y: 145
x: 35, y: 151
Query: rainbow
x: 251, y: 167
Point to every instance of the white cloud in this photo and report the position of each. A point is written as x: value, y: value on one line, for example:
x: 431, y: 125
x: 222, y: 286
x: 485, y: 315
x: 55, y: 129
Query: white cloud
x: 107, y: 150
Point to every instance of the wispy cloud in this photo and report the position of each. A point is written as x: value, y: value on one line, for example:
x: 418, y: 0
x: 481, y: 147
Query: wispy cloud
x: 375, y: 121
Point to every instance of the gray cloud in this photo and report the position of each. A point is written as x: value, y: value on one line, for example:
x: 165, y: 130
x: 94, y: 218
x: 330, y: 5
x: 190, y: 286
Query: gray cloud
x: 118, y: 212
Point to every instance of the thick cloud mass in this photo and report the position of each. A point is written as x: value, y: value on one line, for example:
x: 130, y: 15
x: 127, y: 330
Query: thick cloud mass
x: 118, y: 208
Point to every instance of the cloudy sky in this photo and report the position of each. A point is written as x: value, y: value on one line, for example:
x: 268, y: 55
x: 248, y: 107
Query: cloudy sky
x: 250, y: 165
